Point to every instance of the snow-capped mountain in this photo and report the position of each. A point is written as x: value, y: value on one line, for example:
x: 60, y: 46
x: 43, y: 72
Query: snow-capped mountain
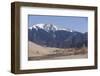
x: 48, y: 27
x: 51, y: 36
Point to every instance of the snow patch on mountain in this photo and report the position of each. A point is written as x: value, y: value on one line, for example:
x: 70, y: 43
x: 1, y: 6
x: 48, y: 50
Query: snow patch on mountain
x: 48, y: 27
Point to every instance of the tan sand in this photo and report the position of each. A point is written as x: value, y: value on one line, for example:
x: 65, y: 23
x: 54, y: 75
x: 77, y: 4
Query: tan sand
x: 42, y: 52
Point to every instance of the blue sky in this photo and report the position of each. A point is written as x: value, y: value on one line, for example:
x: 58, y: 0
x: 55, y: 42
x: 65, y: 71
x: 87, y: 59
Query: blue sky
x: 75, y: 23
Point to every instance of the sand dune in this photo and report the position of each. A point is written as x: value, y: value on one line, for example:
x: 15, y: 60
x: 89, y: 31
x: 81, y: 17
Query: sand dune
x: 36, y: 52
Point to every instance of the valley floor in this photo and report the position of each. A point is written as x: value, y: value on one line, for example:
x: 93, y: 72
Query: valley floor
x: 37, y: 52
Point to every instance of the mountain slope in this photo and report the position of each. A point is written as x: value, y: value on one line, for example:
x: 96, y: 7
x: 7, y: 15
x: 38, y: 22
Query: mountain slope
x: 51, y: 36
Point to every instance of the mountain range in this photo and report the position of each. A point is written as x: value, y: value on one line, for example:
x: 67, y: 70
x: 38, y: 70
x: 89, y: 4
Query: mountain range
x: 50, y: 35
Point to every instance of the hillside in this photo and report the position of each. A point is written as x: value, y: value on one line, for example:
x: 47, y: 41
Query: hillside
x: 51, y: 36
